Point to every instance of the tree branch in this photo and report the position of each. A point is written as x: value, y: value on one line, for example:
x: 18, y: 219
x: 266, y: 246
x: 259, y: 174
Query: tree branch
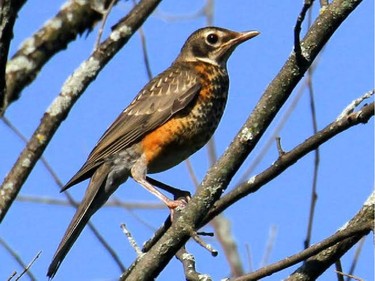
x: 326, y: 251
x: 74, y: 18
x: 8, y: 14
x: 72, y: 89
x: 219, y: 176
x: 362, y: 223
x: 291, y: 157
x: 285, y: 160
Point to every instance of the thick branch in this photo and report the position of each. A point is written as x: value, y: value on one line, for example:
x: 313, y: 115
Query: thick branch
x: 71, y: 91
x: 221, y: 173
x: 289, y: 158
x: 325, y: 252
x: 314, y: 266
x: 74, y: 18
x: 285, y: 160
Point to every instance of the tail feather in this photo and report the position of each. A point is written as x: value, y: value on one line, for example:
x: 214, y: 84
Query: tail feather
x: 94, y: 198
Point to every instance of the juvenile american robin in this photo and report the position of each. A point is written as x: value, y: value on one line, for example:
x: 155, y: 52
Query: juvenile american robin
x: 172, y: 117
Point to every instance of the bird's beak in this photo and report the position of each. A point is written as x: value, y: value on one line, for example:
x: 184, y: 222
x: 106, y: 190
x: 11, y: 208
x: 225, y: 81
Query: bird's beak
x: 244, y: 36
x: 237, y: 38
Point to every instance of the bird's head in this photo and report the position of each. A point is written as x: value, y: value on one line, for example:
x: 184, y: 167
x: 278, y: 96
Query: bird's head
x: 213, y: 45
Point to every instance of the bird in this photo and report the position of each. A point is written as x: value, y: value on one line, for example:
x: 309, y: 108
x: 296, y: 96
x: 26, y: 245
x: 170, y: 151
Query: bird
x: 172, y: 117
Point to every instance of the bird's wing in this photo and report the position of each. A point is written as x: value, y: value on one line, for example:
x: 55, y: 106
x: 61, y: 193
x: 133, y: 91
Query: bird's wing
x: 156, y: 103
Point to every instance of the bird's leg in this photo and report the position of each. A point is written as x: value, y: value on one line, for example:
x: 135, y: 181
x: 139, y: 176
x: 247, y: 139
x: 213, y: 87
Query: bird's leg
x: 138, y: 173
x: 171, y: 204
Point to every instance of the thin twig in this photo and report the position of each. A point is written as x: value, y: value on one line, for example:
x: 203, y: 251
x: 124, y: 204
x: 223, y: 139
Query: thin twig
x: 359, y: 226
x: 192, y: 174
x: 338, y: 267
x: 297, y: 30
x: 314, y: 194
x: 71, y: 201
x: 105, y: 13
x: 144, y: 50
x: 26, y: 269
x: 203, y: 244
x: 358, y: 251
x: 276, y: 131
x: 280, y: 149
x: 110, y: 203
x: 219, y: 176
x: 72, y: 89
x: 272, y: 233
x: 289, y: 158
x: 224, y: 235
x: 172, y: 17
x: 353, y: 105
x: 131, y: 240
x: 221, y: 224
x: 177, y: 212
x: 14, y: 273
x: 17, y: 258
x: 74, y: 18
x: 249, y: 258
x: 188, y: 263
x: 349, y: 276
x: 146, y: 60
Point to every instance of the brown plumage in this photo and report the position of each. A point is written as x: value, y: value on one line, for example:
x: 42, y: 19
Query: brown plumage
x: 172, y: 117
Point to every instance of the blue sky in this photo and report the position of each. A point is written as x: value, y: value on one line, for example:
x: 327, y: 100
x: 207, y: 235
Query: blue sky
x: 344, y: 72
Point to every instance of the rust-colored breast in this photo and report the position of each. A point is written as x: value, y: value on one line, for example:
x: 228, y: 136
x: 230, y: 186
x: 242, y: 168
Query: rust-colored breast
x: 190, y: 128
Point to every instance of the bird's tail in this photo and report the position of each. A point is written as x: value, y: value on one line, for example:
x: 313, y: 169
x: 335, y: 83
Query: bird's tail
x: 96, y: 195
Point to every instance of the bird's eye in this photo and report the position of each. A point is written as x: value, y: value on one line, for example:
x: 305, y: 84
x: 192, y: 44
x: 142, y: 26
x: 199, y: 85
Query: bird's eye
x: 212, y: 38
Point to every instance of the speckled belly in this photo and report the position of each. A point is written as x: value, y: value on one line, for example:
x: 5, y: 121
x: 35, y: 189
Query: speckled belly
x: 190, y: 129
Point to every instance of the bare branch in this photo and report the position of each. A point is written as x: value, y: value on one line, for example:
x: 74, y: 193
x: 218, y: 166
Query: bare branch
x: 71, y: 202
x: 350, y: 276
x: 131, y: 240
x: 110, y: 203
x: 338, y: 267
x: 219, y: 176
x: 276, y: 132
x: 355, y: 259
x: 74, y: 18
x: 188, y: 263
x: 14, y: 273
x: 144, y: 50
x: 145, y: 53
x: 71, y: 91
x: 223, y: 233
x: 353, y: 105
x: 280, y: 149
x: 26, y: 269
x: 362, y: 222
x: 191, y: 172
x: 314, y: 194
x: 106, y: 13
x: 357, y: 227
x: 17, y: 258
x: 289, y: 158
x: 205, y: 11
x: 269, y: 246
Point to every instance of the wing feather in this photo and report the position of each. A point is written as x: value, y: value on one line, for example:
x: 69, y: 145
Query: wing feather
x: 164, y: 96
